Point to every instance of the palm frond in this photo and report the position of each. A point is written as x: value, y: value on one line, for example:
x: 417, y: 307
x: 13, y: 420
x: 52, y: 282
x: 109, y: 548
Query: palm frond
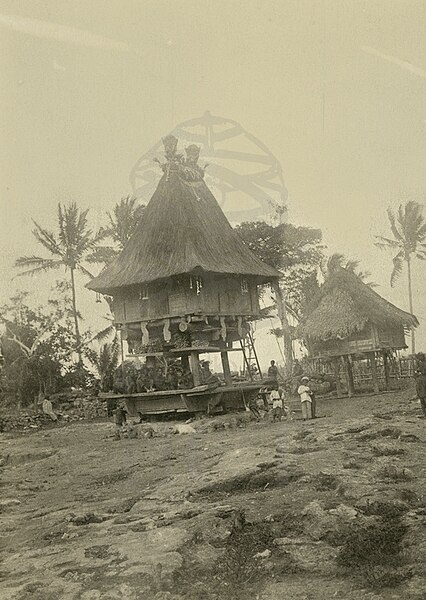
x: 384, y: 242
x: 392, y: 220
x: 37, y: 264
x: 104, y: 334
x: 47, y: 239
x: 102, y: 255
x: 397, y: 267
x: 86, y: 272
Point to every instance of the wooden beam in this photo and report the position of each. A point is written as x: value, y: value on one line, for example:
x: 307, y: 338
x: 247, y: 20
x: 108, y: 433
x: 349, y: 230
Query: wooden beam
x: 226, y: 367
x: 349, y: 376
x: 387, y: 370
x: 194, y: 365
x: 337, y: 375
x: 374, y: 376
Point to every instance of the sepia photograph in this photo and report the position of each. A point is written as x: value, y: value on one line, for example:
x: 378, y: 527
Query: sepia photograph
x: 213, y: 300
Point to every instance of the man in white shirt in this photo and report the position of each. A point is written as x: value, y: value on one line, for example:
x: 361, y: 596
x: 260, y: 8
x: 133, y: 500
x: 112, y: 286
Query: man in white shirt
x: 305, y: 394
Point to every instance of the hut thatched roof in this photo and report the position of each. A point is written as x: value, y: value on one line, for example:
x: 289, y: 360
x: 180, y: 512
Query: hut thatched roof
x: 183, y: 230
x: 344, y: 305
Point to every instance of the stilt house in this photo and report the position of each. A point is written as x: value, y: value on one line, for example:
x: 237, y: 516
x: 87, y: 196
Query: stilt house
x: 348, y: 319
x: 185, y: 282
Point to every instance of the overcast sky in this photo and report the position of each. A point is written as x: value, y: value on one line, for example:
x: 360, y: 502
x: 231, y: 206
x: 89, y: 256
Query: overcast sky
x: 336, y: 89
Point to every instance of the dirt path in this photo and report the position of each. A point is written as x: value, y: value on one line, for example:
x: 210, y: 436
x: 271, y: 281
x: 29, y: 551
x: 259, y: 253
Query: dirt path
x: 256, y: 510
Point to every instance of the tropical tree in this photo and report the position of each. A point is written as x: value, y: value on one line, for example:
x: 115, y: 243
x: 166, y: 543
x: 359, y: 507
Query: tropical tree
x: 122, y: 223
x: 38, y: 343
x: 339, y: 261
x: 68, y: 248
x: 408, y: 228
x: 297, y: 253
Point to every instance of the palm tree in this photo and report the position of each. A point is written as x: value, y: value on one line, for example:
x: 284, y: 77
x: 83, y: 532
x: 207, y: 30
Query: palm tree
x: 122, y: 223
x: 68, y: 248
x: 339, y: 261
x: 408, y: 228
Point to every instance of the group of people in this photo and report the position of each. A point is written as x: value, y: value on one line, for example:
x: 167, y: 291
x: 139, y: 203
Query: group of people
x: 150, y: 378
x: 307, y: 400
x: 306, y: 394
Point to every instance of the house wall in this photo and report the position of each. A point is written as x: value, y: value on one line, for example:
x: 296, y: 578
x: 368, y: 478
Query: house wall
x: 219, y: 295
x: 369, y: 339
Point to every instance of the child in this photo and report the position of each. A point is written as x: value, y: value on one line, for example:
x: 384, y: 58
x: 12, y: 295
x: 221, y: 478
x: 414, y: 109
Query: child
x: 305, y: 393
x: 277, y: 404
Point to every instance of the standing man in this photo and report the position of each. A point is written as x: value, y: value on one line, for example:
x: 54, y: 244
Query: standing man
x: 273, y: 372
x: 305, y: 393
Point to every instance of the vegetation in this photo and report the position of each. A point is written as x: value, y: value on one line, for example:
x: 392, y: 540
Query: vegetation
x: 122, y: 223
x: 69, y: 247
x: 297, y: 253
x: 408, y: 228
x: 38, y: 345
x: 373, y: 551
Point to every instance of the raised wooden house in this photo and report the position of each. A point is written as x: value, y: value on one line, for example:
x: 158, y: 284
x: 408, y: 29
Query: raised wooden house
x: 185, y: 282
x: 349, y: 320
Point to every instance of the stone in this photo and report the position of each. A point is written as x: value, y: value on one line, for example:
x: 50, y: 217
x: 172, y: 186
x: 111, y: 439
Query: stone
x: 312, y: 556
x: 8, y: 503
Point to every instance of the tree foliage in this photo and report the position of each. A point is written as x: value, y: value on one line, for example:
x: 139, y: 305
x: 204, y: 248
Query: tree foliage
x: 122, y: 222
x: 38, y: 346
x: 408, y: 228
x: 69, y: 247
x: 296, y: 251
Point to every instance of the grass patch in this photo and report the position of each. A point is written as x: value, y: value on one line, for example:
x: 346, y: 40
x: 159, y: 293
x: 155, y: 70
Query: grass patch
x: 394, y: 473
x: 238, y: 574
x: 372, y: 551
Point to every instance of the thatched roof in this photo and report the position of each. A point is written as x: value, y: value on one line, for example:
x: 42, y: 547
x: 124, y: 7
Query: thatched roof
x: 344, y: 306
x: 183, y: 230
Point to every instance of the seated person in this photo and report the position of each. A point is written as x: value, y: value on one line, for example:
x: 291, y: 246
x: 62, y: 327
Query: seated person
x: 118, y: 382
x: 159, y: 382
x: 207, y: 376
x: 142, y: 380
x: 186, y: 381
x: 172, y: 379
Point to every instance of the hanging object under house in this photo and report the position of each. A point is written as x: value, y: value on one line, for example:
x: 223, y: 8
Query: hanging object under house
x: 184, y: 285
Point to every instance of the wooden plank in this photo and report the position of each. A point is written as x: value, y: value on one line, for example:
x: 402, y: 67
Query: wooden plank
x: 373, y: 367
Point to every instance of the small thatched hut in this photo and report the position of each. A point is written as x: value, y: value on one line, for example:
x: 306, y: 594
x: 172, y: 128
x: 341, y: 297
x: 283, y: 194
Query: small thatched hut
x: 347, y: 318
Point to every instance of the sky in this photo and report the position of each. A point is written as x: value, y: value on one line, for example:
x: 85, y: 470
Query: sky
x: 335, y: 88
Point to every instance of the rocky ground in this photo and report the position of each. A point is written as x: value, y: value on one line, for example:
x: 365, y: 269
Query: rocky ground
x: 332, y: 508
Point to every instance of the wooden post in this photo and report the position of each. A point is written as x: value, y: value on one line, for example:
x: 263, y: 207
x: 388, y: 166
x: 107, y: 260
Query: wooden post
x: 195, y: 367
x: 387, y: 370
x: 184, y: 359
x: 373, y: 367
x: 337, y: 375
x: 226, y: 368
x: 349, y: 376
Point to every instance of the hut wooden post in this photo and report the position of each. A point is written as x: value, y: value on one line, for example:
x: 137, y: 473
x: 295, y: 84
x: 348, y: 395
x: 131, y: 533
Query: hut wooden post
x: 185, y: 362
x: 337, y: 375
x: 374, y: 376
x: 387, y: 370
x: 124, y: 343
x: 226, y: 368
x: 349, y: 376
x: 195, y: 367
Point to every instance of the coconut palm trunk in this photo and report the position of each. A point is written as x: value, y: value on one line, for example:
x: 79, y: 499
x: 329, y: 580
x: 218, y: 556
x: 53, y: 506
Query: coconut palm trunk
x: 410, y: 300
x: 75, y: 315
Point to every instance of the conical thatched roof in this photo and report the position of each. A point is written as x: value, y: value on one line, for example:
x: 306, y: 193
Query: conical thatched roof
x: 183, y: 229
x: 344, y: 305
